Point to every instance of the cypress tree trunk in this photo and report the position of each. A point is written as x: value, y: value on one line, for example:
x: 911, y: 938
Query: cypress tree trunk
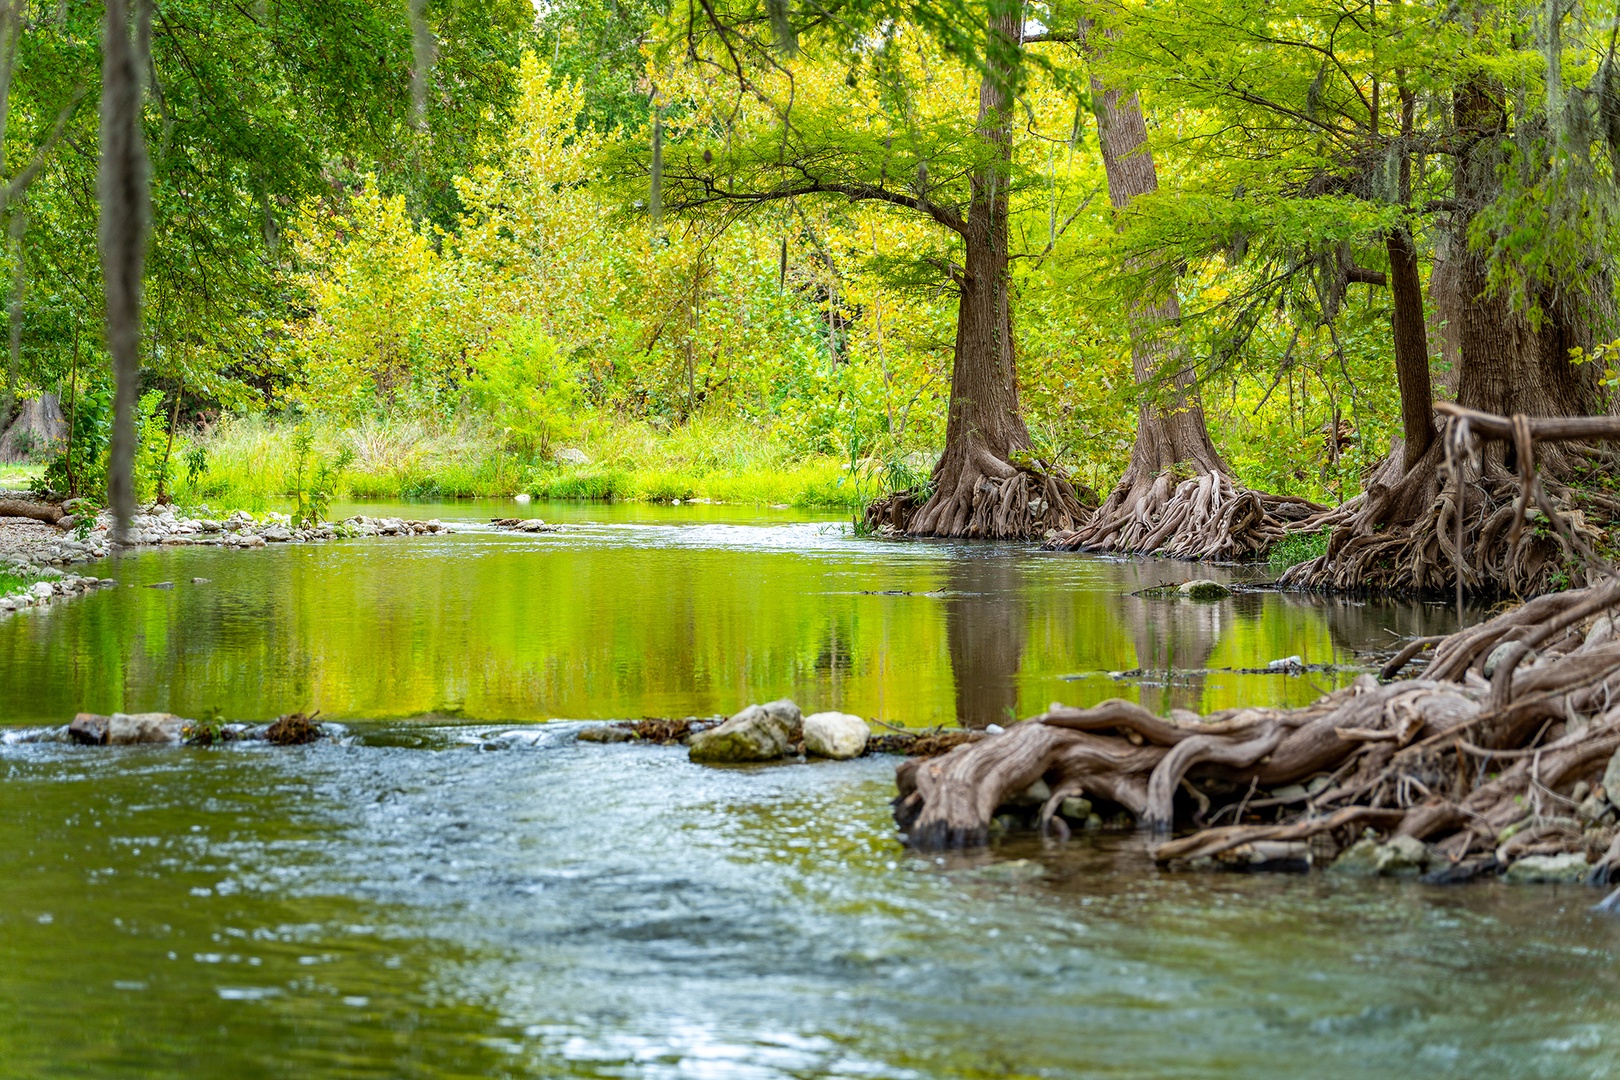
x: 1177, y: 495
x: 978, y: 489
x: 1170, y: 426
x: 1401, y: 535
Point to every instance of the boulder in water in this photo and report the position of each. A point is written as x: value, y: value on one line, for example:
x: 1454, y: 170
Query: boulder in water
x: 1204, y: 589
x: 1566, y: 868
x: 835, y: 735
x: 758, y: 733
x: 137, y: 729
x: 88, y: 728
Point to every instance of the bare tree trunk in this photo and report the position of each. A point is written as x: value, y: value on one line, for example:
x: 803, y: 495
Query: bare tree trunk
x: 978, y: 489
x: 123, y: 194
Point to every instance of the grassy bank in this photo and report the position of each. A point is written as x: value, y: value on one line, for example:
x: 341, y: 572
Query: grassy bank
x: 252, y: 462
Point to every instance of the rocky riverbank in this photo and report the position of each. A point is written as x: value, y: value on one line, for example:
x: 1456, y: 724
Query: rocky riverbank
x: 34, y: 554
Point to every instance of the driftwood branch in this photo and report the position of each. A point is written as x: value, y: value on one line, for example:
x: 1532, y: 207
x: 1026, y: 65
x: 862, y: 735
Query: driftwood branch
x: 49, y: 513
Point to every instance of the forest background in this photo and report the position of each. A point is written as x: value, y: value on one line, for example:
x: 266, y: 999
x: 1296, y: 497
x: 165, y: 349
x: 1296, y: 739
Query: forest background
x: 469, y: 294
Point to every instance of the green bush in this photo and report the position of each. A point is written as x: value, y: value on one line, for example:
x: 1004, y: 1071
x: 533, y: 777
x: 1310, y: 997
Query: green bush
x: 1296, y: 548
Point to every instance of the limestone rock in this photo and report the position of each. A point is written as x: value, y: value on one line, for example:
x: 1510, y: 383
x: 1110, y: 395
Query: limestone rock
x: 1204, y: 589
x: 570, y: 455
x: 1358, y: 860
x: 1404, y: 856
x: 788, y: 713
x: 1075, y: 808
x: 1569, y: 868
x: 88, y: 728
x: 835, y: 735
x: 132, y: 729
x: 1611, y: 778
x: 758, y: 733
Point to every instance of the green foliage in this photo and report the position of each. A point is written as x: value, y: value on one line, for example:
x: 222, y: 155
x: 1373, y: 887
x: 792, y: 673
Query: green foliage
x: 80, y: 466
x: 530, y: 390
x: 154, y: 468
x: 314, y: 482
x: 1296, y: 548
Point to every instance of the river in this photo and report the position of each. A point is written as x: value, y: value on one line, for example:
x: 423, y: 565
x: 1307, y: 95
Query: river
x: 458, y: 890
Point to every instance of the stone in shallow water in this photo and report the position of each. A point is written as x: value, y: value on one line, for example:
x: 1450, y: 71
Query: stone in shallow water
x: 1204, y: 589
x: 605, y: 733
x: 1358, y: 860
x: 1404, y: 856
x: 758, y: 733
x: 133, y: 729
x: 1568, y: 868
x: 88, y: 728
x: 835, y: 735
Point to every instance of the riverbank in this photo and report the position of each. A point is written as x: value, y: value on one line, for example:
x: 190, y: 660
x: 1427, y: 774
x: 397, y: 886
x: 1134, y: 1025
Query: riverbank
x: 252, y: 462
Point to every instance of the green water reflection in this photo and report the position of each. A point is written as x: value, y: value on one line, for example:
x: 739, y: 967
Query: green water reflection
x: 659, y: 611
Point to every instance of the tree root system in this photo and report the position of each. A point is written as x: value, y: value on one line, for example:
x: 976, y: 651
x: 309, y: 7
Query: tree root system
x: 990, y: 499
x: 1504, y: 750
x: 1207, y: 515
x: 1466, y: 520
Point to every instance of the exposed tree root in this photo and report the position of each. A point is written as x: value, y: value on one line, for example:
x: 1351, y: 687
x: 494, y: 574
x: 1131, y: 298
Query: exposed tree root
x: 1207, y: 515
x: 1374, y: 547
x: 1498, y: 752
x: 1402, y: 534
x: 989, y: 498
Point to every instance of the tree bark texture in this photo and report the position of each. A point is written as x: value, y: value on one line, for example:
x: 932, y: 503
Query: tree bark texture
x: 979, y: 490
x: 123, y: 195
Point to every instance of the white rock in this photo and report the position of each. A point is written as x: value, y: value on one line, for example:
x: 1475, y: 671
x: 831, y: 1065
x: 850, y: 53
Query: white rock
x: 570, y: 455
x: 835, y: 735
x: 42, y: 590
x: 520, y: 498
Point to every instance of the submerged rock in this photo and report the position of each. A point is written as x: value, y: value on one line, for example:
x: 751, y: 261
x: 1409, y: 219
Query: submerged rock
x: 1204, y: 589
x: 835, y: 735
x: 606, y: 733
x: 758, y: 733
x: 1569, y: 868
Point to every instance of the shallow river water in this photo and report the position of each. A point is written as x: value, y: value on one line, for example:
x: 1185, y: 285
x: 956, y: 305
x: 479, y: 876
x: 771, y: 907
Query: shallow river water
x: 457, y: 891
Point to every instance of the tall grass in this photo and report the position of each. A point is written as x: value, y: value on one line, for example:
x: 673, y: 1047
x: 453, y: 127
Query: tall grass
x: 250, y: 463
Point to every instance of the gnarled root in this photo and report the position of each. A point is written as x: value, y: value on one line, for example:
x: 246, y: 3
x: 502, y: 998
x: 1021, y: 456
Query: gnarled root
x: 1400, y: 536
x: 1205, y: 516
x: 987, y: 497
x: 1482, y: 755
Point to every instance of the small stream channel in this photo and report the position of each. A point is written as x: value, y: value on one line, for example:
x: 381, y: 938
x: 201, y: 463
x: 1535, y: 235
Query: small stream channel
x: 459, y: 891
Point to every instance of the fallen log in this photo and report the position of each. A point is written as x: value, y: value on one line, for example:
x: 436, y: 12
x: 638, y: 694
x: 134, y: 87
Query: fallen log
x: 49, y: 513
x: 1508, y: 747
